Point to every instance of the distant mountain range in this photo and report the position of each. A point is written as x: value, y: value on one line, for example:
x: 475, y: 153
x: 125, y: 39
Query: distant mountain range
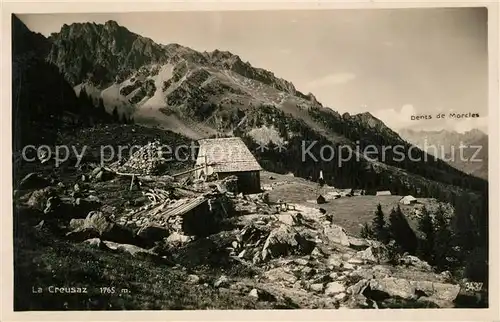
x: 203, y: 94
x: 446, y: 145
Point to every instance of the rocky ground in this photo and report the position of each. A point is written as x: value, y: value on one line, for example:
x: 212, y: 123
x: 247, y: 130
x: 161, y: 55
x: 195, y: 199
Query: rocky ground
x: 125, y: 238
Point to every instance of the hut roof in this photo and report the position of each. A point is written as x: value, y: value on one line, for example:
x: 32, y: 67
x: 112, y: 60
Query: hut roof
x: 227, y: 155
x: 408, y: 198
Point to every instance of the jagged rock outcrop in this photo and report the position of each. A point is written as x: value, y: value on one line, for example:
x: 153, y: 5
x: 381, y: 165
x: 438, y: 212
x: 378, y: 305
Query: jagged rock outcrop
x: 100, y: 52
x: 96, y: 225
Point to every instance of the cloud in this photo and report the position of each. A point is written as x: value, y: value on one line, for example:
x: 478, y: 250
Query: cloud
x: 333, y: 79
x: 397, y: 119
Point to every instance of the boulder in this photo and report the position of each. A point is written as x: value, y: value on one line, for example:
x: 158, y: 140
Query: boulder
x: 380, y: 271
x: 96, y: 225
x: 286, y: 219
x: 178, y: 238
x: 66, y: 208
x: 279, y: 274
x: 393, y: 287
x: 95, y: 242
x: 127, y: 248
x: 446, y: 275
x: 439, y: 291
x: 96, y: 171
x: 359, y: 287
x: 336, y: 234
x: 284, y: 241
x: 193, y: 279
x: 358, y: 243
x: 38, y: 198
x: 356, y: 261
x: 152, y: 233
x: 223, y: 281
x: 373, y: 254
x: 410, y: 260
x: 334, y: 288
x: 340, y: 297
x: 301, y: 261
x: 334, y: 261
x: 348, y: 266
x: 104, y: 175
x: 365, y: 273
x: 254, y: 293
x: 317, y: 287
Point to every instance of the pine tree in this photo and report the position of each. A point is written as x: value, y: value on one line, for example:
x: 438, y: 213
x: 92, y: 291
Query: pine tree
x: 366, y: 231
x: 401, y: 231
x: 426, y: 245
x: 443, y: 240
x: 379, y: 228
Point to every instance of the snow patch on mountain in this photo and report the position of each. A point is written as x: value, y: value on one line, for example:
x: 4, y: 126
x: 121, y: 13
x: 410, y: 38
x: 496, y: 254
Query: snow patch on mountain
x: 112, y: 98
x: 158, y: 99
x: 264, y: 135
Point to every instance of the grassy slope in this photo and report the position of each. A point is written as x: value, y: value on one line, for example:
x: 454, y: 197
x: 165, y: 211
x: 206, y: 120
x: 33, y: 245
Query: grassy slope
x: 348, y: 212
x: 41, y: 260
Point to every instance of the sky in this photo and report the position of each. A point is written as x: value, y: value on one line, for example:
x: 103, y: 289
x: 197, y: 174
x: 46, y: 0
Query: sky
x: 393, y: 63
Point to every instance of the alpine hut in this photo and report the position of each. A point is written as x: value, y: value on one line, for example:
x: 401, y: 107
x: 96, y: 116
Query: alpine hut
x: 408, y: 200
x: 226, y: 157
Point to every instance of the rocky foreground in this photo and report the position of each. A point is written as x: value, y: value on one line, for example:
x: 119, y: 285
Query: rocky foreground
x: 270, y: 255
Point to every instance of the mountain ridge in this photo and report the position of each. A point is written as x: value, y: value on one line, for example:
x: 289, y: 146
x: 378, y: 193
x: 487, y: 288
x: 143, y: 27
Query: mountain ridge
x: 448, y: 143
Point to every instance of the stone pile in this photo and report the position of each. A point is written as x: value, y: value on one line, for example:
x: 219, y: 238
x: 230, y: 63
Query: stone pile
x: 148, y: 160
x: 271, y: 238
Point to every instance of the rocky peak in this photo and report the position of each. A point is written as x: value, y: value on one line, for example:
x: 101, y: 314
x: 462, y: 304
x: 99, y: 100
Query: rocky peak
x: 111, y: 25
x: 369, y: 120
x: 313, y: 99
x: 82, y: 48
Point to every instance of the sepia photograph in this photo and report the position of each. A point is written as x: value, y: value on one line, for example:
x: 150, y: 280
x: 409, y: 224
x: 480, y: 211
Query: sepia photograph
x: 251, y: 160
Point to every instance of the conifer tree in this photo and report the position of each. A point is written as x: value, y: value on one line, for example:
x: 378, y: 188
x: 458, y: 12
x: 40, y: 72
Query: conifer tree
x: 366, y: 231
x: 426, y: 245
x: 443, y: 240
x: 379, y: 228
x: 401, y: 231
